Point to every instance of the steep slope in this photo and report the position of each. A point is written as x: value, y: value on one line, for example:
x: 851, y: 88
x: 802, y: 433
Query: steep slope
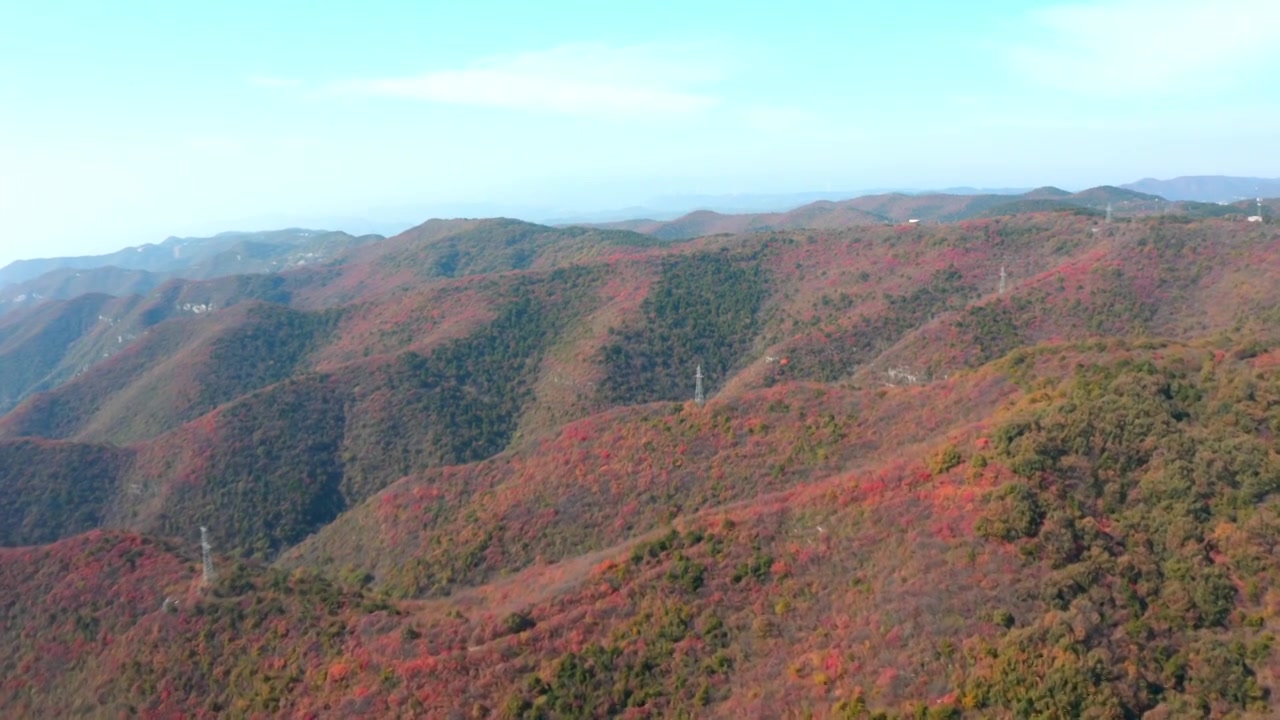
x: 1100, y: 547
x: 284, y: 450
x: 886, y: 305
x: 114, y: 606
x: 380, y: 274
x: 67, y: 283
x: 54, y: 489
x: 330, y: 406
x: 703, y: 312
x: 909, y: 492
x: 622, y: 474
x: 177, y: 372
x: 54, y: 343
x: 44, y: 346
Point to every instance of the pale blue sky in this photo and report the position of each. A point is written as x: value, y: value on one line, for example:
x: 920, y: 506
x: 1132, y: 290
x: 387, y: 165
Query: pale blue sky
x: 124, y: 122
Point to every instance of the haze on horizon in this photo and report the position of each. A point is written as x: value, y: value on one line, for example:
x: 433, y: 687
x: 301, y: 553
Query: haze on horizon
x: 125, y: 124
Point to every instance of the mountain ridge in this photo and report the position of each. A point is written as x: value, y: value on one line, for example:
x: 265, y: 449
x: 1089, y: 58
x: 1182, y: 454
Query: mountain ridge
x: 967, y: 548
x: 967, y: 468
x: 1209, y: 188
x: 258, y: 350
x: 890, y: 208
x: 141, y: 269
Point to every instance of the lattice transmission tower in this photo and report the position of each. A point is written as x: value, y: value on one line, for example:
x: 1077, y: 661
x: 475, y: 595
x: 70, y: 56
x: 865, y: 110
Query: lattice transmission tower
x: 206, y: 550
x: 698, y: 396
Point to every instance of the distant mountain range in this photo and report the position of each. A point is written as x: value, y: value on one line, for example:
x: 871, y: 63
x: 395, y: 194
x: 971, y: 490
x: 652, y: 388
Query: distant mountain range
x: 141, y: 269
x: 1208, y: 188
x: 670, y: 207
x: 897, y: 208
x: 1211, y: 189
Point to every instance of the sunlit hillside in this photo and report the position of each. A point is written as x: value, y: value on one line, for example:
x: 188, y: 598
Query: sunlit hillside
x: 1012, y: 466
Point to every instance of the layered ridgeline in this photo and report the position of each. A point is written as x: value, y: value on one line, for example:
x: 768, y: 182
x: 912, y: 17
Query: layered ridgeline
x: 1017, y: 466
x: 53, y: 341
x: 1209, y: 188
x: 1126, y: 202
x: 138, y: 270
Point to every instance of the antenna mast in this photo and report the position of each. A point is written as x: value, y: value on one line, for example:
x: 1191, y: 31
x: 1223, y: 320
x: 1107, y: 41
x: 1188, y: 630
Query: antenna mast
x: 698, y: 397
x: 207, y: 551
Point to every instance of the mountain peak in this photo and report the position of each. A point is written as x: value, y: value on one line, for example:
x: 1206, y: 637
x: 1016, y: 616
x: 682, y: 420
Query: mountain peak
x: 1048, y: 191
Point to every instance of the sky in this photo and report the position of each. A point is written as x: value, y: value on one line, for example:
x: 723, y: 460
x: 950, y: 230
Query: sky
x: 126, y: 122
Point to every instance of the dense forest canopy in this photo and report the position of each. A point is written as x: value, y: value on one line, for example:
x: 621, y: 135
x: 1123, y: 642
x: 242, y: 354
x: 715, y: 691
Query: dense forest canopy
x: 1020, y: 465
x: 703, y: 312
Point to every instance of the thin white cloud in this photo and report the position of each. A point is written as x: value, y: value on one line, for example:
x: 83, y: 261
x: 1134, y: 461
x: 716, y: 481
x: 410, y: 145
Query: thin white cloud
x: 784, y: 120
x: 268, y: 81
x: 1144, y: 47
x: 587, y: 79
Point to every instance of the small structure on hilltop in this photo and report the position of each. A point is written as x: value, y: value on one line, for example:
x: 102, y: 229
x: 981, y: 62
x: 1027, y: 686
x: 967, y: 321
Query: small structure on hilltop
x: 1257, y: 218
x: 901, y: 375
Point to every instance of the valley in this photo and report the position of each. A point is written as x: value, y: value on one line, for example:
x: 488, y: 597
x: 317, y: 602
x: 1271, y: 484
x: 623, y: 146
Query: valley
x: 1017, y: 459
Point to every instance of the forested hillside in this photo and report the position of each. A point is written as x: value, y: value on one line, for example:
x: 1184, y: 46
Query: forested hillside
x: 703, y: 312
x: 1023, y: 465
